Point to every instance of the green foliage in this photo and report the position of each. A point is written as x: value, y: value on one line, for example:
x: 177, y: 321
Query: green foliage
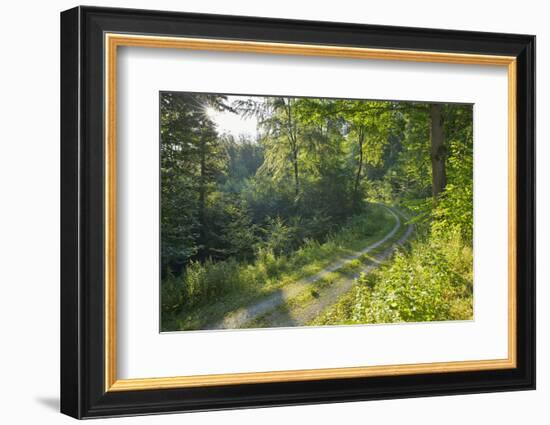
x: 172, y: 294
x: 432, y: 281
x: 191, y: 161
x: 244, y: 158
x: 378, y: 191
x: 454, y: 209
x: 278, y: 236
x: 230, y: 233
x: 210, y: 280
x: 424, y: 284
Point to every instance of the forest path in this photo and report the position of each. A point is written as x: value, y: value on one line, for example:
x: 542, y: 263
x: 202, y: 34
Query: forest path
x: 269, y: 309
x: 302, y: 314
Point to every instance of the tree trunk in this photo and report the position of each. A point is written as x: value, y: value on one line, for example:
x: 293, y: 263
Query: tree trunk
x: 438, y: 150
x: 202, y: 196
x: 294, y: 148
x: 360, y: 140
x: 296, y: 176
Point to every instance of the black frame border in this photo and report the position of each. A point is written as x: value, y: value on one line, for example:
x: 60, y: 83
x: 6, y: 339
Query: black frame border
x: 82, y: 205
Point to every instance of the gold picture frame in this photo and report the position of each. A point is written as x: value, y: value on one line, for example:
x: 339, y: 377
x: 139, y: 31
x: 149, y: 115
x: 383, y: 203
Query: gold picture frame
x: 114, y: 41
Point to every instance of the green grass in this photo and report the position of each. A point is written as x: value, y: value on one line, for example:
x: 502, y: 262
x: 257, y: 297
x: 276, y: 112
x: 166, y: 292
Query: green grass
x: 208, y: 291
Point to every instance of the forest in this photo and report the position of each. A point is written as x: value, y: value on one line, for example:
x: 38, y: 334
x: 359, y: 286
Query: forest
x: 295, y: 211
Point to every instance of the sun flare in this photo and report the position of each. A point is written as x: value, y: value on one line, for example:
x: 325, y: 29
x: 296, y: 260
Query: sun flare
x: 231, y: 123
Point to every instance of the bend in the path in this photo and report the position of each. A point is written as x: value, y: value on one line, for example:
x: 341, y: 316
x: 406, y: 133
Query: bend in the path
x: 302, y: 315
x: 240, y: 317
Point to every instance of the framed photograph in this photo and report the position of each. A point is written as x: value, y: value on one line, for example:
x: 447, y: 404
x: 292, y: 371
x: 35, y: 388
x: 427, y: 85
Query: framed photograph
x: 261, y: 212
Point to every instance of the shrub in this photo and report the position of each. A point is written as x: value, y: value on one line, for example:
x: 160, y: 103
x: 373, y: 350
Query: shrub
x: 206, y: 282
x: 279, y: 236
x: 172, y: 293
x: 431, y: 282
x: 266, y: 261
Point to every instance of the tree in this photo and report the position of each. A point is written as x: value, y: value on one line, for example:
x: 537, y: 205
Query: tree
x: 360, y: 143
x: 292, y: 134
x: 191, y: 161
x: 281, y: 139
x: 455, y: 204
x: 369, y: 124
x: 179, y: 224
x: 438, y: 150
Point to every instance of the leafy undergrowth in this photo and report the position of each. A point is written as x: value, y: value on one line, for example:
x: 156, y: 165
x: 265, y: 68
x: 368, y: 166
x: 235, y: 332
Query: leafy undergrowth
x: 431, y: 281
x: 207, y: 291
